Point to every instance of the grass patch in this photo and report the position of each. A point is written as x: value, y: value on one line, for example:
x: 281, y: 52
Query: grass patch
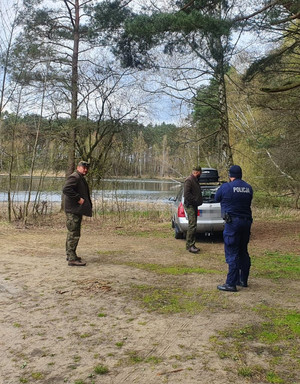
x: 276, y: 337
x: 285, y: 324
x: 150, y: 214
x: 272, y: 377
x: 101, y: 370
x: 135, y: 357
x: 276, y: 265
x: 37, y: 375
x: 85, y: 335
x: 172, y: 270
x: 171, y: 300
x: 245, y: 371
x: 153, y: 360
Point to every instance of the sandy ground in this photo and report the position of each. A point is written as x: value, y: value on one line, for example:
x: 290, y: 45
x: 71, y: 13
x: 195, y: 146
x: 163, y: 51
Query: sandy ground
x: 57, y: 323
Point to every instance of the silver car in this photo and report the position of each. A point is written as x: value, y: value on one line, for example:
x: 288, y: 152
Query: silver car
x: 209, y: 219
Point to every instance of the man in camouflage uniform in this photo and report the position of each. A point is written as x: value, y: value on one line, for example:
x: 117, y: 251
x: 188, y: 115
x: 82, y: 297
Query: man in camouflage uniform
x: 77, y: 204
x: 192, y: 199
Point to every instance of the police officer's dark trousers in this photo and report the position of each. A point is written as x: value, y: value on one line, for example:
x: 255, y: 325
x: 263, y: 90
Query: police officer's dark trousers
x: 236, y: 238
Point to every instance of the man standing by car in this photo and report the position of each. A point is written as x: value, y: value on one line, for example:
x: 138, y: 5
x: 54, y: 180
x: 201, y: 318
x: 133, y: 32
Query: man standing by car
x: 77, y: 203
x: 235, y: 198
x: 192, y: 199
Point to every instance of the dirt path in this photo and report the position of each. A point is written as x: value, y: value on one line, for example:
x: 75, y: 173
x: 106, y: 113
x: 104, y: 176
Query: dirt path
x: 58, y: 323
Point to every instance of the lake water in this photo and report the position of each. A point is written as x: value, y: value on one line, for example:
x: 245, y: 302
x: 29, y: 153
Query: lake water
x: 141, y: 190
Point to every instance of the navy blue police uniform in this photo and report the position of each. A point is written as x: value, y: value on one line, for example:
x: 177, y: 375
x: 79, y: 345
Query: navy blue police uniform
x: 235, y: 198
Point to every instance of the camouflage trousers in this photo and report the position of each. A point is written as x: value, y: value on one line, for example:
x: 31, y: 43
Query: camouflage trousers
x: 192, y: 226
x: 73, y: 235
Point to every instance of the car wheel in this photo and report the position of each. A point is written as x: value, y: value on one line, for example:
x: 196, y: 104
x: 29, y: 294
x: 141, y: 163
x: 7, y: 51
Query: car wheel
x: 178, y: 234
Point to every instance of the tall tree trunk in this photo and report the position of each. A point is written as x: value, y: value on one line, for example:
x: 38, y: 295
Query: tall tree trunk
x: 26, y: 205
x: 227, y: 158
x: 12, y: 160
x: 7, y: 47
x: 74, y: 91
x: 11, y: 165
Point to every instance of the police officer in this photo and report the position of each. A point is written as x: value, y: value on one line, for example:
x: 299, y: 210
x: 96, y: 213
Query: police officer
x: 235, y: 198
x: 77, y: 203
x: 192, y: 199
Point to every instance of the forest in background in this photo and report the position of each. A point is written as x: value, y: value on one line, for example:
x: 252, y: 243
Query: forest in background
x: 79, y: 77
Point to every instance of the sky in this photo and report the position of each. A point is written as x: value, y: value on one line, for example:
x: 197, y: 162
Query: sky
x: 161, y: 107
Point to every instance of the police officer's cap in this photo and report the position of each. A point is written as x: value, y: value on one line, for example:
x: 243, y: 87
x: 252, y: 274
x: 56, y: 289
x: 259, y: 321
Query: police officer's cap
x: 197, y: 168
x: 235, y: 171
x: 84, y: 164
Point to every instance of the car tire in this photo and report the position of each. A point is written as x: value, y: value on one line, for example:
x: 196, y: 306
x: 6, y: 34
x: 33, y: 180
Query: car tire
x: 178, y: 234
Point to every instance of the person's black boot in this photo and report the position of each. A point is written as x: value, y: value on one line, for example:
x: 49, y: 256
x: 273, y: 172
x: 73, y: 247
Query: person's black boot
x: 76, y: 263
x: 242, y: 284
x: 226, y: 287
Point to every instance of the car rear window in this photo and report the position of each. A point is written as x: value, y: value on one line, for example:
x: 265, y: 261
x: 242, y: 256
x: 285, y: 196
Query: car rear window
x: 208, y: 193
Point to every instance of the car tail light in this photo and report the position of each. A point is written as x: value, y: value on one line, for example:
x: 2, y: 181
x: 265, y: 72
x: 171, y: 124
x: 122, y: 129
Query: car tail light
x: 181, y: 212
